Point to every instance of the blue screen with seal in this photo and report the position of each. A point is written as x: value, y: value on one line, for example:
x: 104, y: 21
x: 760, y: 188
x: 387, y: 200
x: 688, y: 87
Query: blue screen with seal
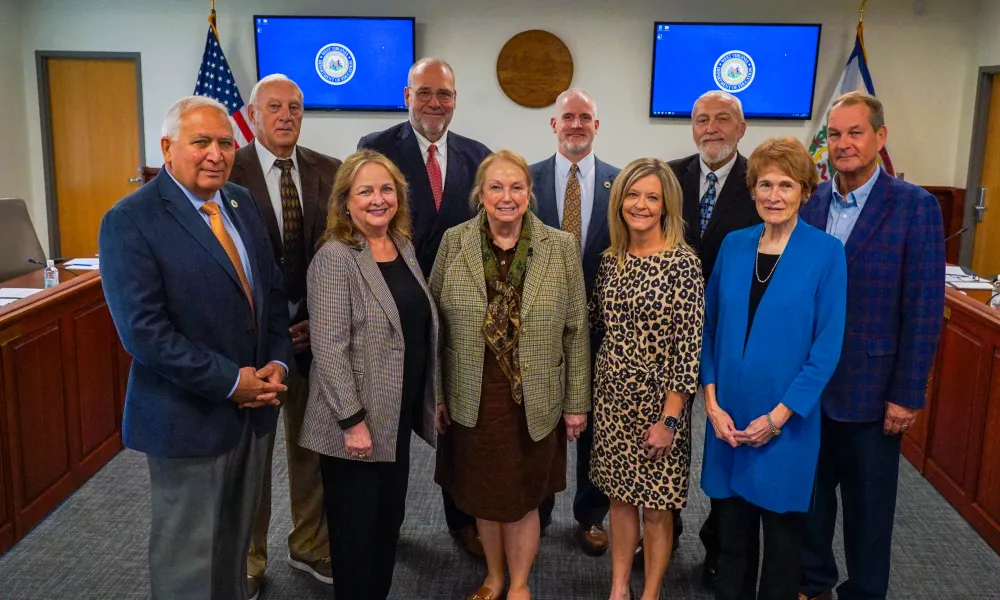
x: 340, y: 63
x: 770, y: 68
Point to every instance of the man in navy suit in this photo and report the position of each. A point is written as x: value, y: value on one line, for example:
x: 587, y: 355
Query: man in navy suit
x: 716, y: 202
x: 196, y: 297
x: 440, y: 168
x: 572, y: 188
x: 894, y: 240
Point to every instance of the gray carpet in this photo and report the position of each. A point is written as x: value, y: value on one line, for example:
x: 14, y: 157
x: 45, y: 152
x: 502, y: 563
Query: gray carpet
x: 94, y: 546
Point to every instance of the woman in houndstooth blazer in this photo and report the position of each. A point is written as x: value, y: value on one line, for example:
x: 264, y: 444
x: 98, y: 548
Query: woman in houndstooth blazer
x: 375, y: 375
x: 516, y: 365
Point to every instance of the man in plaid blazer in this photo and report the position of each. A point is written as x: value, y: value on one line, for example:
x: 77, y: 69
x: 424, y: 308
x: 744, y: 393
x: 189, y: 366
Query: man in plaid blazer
x: 894, y: 239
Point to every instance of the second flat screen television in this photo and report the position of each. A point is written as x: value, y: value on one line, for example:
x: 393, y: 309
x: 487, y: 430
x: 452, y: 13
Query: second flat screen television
x: 341, y: 63
x: 771, y: 68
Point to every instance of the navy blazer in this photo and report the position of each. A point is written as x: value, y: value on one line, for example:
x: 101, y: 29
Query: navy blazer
x: 181, y: 312
x: 793, y: 349
x: 598, y: 236
x: 399, y: 144
x: 895, y: 299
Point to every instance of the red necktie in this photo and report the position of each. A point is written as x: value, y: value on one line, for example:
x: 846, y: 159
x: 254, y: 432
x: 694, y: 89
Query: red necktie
x: 434, y: 174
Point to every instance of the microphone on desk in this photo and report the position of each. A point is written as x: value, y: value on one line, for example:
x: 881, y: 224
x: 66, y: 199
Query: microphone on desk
x: 42, y: 262
x: 957, y: 233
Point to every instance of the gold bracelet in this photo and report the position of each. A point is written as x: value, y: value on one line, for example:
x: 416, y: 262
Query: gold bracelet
x: 774, y: 430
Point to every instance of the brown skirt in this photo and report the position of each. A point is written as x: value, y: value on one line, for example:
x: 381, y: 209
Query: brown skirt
x: 494, y: 471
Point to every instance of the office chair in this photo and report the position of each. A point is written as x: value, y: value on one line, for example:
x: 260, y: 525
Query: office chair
x: 18, y: 241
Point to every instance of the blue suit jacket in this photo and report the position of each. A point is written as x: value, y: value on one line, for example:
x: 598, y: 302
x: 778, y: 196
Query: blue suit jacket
x: 895, y: 299
x: 791, y: 353
x: 181, y: 312
x: 598, y: 236
x: 399, y: 144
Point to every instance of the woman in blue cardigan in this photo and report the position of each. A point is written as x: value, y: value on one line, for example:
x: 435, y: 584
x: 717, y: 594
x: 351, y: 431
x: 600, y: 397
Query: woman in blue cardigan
x: 774, y: 323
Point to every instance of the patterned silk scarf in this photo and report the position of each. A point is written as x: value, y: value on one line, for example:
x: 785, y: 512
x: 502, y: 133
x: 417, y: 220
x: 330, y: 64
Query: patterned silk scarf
x: 502, y: 325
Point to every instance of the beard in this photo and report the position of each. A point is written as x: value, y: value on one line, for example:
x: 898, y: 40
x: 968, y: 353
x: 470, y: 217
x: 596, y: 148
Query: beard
x: 721, y: 153
x: 425, y: 128
x: 577, y: 148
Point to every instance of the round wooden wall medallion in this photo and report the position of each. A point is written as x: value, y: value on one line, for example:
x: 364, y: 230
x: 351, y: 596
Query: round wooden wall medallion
x: 534, y: 67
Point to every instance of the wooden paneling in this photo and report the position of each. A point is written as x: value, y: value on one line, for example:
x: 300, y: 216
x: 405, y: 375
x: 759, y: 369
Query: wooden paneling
x: 94, y: 111
x: 986, y: 252
x: 39, y: 410
x: 6, y: 508
x: 952, y: 201
x: 60, y: 399
x: 961, y: 376
x: 987, y: 496
x: 95, y: 378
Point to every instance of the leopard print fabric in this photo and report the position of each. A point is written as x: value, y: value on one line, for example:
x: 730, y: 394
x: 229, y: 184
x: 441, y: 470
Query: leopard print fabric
x: 651, y: 313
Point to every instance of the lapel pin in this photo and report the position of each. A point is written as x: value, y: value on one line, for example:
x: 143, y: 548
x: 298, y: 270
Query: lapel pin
x: 607, y: 184
x: 233, y: 203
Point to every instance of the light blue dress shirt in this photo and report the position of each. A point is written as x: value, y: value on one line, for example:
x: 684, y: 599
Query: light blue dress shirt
x: 844, y: 212
x: 586, y: 175
x: 237, y: 240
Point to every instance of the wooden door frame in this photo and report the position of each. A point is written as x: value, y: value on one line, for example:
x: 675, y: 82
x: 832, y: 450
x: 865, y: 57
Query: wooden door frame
x: 45, y: 112
x: 980, y: 121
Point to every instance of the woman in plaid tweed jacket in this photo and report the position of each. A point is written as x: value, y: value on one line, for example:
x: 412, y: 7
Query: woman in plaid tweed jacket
x: 516, y: 364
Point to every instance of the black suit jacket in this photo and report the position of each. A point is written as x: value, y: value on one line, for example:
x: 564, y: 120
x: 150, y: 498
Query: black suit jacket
x: 316, y: 173
x: 399, y: 144
x: 734, y: 208
x: 598, y: 236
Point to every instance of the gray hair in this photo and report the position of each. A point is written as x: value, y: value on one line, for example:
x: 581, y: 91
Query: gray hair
x: 427, y: 62
x: 721, y: 95
x: 172, y: 121
x: 877, y: 113
x: 579, y: 93
x: 271, y: 79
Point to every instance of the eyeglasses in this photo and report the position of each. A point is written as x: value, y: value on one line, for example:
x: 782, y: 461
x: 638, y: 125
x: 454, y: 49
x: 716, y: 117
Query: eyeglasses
x: 443, y: 96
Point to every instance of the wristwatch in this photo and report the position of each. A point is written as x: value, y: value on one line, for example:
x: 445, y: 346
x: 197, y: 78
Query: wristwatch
x: 670, y: 422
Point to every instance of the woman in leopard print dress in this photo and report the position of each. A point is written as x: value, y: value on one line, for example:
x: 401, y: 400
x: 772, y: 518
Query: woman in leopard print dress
x: 648, y: 303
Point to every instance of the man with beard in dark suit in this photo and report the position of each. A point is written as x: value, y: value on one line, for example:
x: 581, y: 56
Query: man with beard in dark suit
x: 440, y: 168
x: 716, y: 202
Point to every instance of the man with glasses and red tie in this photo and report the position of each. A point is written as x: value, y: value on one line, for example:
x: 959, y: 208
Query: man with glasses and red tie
x: 440, y: 168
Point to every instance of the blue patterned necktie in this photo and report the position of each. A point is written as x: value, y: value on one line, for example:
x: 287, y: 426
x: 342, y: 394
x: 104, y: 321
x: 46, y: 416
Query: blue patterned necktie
x: 708, y: 201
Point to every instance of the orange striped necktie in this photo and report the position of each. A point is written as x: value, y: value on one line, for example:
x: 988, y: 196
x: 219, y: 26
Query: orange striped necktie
x: 211, y: 209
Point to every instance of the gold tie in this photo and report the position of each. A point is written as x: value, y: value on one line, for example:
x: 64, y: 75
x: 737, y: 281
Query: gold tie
x: 571, y: 205
x: 211, y: 209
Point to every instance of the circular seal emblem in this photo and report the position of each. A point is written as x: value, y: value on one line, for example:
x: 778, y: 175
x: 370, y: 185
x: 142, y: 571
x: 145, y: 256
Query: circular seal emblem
x: 734, y: 71
x: 335, y: 64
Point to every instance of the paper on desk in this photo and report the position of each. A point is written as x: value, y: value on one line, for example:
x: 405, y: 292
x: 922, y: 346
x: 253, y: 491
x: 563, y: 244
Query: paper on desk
x: 953, y: 270
x: 83, y: 264
x: 18, y: 293
x: 6, y: 301
x: 967, y: 284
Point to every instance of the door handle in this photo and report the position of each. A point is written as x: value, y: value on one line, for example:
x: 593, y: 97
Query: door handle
x: 981, y: 205
x: 135, y: 180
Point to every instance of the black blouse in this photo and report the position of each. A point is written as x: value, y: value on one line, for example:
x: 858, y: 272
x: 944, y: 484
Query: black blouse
x: 765, y: 264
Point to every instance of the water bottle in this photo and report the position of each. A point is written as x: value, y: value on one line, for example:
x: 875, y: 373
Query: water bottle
x: 50, y: 274
x: 995, y: 298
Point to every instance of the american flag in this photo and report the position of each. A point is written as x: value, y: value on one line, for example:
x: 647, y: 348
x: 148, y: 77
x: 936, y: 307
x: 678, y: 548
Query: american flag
x: 215, y: 80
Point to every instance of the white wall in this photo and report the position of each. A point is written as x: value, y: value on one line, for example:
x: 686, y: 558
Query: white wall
x: 921, y: 65
x: 14, y: 180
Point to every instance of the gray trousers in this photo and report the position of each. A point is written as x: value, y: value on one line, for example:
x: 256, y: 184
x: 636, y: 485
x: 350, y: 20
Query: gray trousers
x: 202, y: 516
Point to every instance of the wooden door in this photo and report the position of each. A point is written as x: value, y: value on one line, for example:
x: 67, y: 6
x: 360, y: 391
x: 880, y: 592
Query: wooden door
x: 95, y: 137
x: 986, y: 252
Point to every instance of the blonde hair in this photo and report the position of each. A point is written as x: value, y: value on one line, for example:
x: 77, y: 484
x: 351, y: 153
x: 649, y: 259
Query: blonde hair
x: 671, y: 219
x: 339, y: 225
x: 476, y: 196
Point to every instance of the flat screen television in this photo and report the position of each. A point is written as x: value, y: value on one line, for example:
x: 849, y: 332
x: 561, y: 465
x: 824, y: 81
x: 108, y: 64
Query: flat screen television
x: 341, y: 63
x: 771, y: 68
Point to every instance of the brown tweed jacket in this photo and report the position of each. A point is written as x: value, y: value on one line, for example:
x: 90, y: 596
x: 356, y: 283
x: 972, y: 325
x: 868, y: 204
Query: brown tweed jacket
x: 357, y: 344
x: 554, y: 346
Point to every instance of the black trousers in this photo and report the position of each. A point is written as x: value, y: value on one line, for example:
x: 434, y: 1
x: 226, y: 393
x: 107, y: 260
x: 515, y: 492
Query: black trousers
x: 590, y: 505
x: 864, y: 462
x: 365, y: 505
x: 739, y: 552
x: 709, y: 535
